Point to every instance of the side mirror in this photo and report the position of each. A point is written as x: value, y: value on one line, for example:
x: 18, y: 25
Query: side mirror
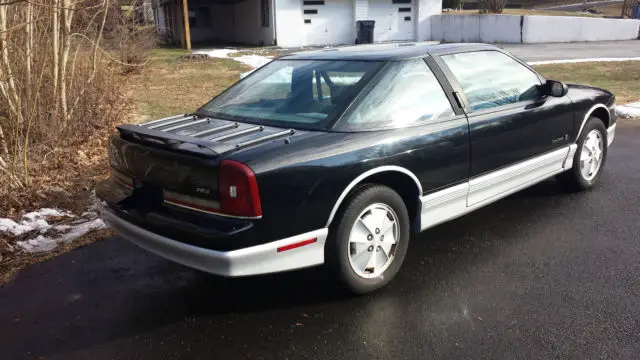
x: 555, y: 88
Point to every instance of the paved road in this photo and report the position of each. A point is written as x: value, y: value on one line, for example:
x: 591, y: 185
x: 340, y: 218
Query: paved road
x: 608, y: 49
x: 559, y: 51
x: 538, y: 275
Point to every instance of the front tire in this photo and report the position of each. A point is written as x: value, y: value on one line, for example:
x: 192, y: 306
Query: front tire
x: 369, y: 241
x: 589, y: 158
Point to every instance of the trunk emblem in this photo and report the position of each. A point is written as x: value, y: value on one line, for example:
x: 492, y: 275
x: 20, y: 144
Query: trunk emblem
x: 203, y: 191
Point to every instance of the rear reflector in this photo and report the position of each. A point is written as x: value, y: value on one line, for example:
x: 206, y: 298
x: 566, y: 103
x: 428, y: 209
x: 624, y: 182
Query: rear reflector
x: 297, y: 245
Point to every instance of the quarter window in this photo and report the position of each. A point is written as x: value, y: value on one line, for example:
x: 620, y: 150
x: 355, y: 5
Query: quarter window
x: 407, y: 93
x: 491, y: 78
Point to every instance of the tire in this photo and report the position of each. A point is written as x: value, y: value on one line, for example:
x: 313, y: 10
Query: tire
x: 579, y: 178
x: 353, y: 235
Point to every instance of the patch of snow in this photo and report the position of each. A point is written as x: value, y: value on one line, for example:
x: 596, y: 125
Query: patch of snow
x: 628, y: 111
x: 39, y: 244
x: 42, y: 243
x: 36, y: 223
x: 33, y: 221
x: 255, y: 61
x: 217, y: 53
x: 574, y: 61
x: 252, y: 60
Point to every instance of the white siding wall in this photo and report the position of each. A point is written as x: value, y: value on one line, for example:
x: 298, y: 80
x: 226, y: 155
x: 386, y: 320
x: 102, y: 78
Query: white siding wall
x: 333, y: 24
x: 390, y: 24
x: 289, y: 23
x: 361, y: 9
x: 425, y: 9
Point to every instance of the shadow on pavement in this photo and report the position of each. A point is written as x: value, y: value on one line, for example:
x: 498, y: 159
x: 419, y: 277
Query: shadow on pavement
x: 112, y: 289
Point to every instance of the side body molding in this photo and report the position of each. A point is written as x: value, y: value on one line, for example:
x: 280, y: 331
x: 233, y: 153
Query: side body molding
x: 461, y: 199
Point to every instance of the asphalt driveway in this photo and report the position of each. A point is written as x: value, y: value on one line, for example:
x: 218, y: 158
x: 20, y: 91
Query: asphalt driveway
x: 538, y: 275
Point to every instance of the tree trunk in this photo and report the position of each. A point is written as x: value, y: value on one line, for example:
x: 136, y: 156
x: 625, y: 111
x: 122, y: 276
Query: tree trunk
x: 55, y: 29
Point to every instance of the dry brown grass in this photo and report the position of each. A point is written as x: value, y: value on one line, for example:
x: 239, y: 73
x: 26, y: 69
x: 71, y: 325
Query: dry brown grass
x: 621, y: 78
x: 64, y: 177
x: 170, y: 86
x: 525, y: 12
x: 609, y: 10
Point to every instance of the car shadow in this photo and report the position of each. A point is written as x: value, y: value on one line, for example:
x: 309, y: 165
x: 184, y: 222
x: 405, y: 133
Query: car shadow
x: 112, y: 289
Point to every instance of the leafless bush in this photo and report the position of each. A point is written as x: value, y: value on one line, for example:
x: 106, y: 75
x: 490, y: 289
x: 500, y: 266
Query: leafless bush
x: 134, y: 45
x: 491, y: 6
x: 129, y: 37
x: 56, y: 85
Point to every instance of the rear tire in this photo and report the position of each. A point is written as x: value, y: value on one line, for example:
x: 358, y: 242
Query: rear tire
x: 369, y: 239
x: 589, y: 159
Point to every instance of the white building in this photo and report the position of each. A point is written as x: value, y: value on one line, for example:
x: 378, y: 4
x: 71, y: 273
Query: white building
x: 292, y: 23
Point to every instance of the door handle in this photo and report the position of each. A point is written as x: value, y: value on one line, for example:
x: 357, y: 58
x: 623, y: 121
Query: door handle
x: 456, y: 96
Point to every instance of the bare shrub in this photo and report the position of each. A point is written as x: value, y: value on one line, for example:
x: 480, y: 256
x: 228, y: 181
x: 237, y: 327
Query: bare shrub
x: 56, y: 84
x: 491, y: 6
x: 130, y: 38
x: 134, y: 45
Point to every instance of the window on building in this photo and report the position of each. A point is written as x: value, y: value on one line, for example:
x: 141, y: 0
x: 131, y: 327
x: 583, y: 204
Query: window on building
x: 407, y: 94
x: 193, y: 19
x: 200, y: 18
x: 204, y: 17
x: 491, y: 78
x: 265, y: 13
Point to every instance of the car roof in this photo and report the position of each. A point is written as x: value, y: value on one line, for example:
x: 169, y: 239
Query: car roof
x: 391, y: 51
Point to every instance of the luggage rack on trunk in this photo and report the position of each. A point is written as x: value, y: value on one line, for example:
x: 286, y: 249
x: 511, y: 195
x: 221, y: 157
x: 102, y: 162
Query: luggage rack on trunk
x: 216, y: 135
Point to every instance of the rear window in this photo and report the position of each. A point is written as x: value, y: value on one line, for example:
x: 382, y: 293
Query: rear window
x: 294, y: 93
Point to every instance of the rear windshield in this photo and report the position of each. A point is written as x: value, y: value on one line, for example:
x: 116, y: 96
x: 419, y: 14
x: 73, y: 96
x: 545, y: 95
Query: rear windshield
x: 294, y: 93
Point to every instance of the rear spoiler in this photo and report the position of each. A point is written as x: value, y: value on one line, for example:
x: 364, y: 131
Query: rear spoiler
x: 164, y: 132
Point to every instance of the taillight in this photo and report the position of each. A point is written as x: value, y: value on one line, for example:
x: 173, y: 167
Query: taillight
x: 239, y: 195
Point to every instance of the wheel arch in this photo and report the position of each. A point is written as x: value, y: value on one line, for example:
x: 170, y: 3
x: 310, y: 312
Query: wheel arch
x: 598, y: 110
x: 400, y: 179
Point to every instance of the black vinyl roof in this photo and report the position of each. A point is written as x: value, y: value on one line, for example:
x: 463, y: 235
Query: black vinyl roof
x: 392, y: 51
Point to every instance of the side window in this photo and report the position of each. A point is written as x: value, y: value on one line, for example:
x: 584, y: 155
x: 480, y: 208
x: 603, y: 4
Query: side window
x: 491, y: 78
x: 407, y: 93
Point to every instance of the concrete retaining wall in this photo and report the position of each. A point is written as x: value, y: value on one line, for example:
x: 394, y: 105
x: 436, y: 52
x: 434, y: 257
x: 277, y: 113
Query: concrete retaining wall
x: 530, y: 29
x: 540, y: 29
x: 476, y: 28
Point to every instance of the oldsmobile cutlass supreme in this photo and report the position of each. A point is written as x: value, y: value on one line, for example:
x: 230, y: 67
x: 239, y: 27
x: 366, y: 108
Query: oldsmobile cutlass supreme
x: 338, y: 156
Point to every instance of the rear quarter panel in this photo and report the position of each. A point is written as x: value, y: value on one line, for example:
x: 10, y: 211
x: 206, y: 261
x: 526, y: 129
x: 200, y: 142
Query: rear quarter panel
x: 300, y: 183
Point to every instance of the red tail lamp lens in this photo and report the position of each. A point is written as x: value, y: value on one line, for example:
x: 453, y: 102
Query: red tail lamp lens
x: 238, y: 188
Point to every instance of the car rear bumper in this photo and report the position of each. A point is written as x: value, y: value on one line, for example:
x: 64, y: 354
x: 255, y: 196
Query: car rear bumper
x: 276, y: 256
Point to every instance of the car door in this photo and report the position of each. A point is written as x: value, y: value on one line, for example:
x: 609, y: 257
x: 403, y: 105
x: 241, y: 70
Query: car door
x: 510, y: 119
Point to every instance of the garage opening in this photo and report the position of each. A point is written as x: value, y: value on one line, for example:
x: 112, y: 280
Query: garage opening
x: 205, y: 23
